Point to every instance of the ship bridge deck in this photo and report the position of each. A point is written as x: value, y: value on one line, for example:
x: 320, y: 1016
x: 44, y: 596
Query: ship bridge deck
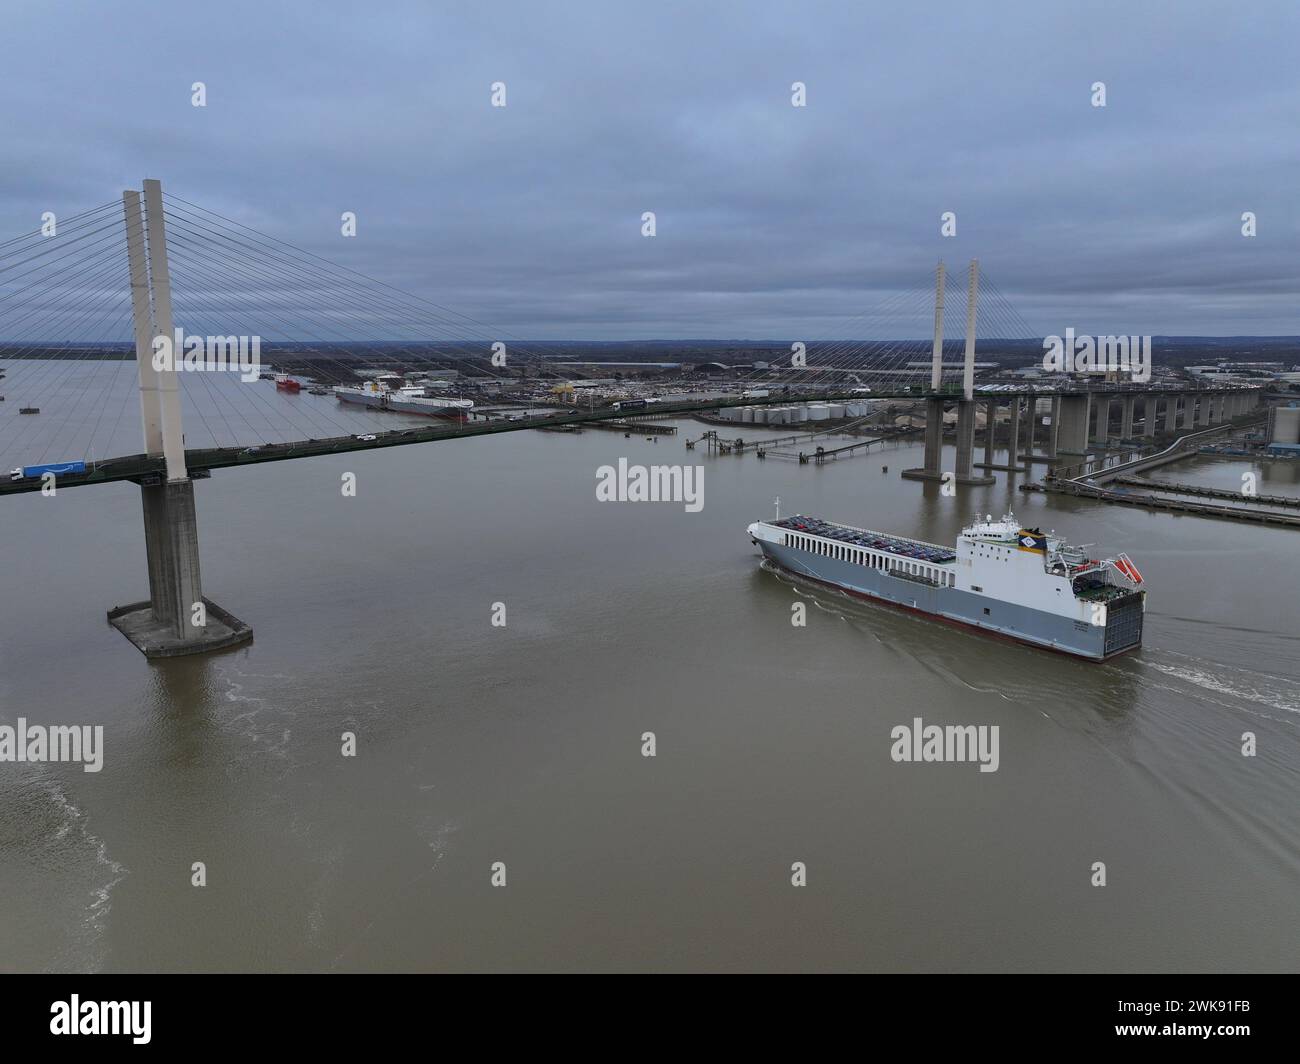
x: 861, y: 537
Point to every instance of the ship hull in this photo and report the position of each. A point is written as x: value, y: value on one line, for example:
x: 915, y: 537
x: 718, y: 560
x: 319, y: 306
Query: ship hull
x: 1006, y: 620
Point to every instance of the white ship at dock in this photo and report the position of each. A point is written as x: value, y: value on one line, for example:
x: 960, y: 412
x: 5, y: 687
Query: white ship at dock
x: 1000, y: 579
x: 393, y: 394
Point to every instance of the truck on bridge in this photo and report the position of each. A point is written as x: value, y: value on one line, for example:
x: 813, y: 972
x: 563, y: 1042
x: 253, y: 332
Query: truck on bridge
x: 57, y: 468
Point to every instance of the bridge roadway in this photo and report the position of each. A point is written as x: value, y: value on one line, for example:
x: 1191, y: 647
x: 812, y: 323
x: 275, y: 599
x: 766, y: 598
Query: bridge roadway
x: 142, y: 468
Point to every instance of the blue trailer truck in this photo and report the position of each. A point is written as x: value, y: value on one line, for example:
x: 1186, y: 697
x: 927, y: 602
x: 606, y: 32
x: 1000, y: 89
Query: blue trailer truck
x: 59, y: 469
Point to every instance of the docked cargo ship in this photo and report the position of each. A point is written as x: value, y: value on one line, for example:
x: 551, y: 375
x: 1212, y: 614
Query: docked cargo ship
x: 407, y: 399
x: 285, y: 383
x: 1000, y: 579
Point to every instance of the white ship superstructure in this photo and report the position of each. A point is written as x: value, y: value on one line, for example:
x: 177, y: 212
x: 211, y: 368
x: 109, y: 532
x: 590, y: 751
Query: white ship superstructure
x: 403, y: 398
x: 1000, y: 578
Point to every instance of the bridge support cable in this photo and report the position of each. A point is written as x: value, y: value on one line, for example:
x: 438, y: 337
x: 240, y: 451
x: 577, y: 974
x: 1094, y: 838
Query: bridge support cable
x: 369, y: 291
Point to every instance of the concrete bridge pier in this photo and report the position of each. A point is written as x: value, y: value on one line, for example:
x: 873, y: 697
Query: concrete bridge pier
x: 991, y: 407
x: 1030, y: 416
x: 1150, y: 403
x: 932, y: 463
x: 176, y: 619
x: 933, y: 435
x: 1013, y: 440
x: 1034, y: 428
x: 1102, y: 432
x: 1071, y: 428
x: 1203, y: 411
x: 966, y: 445
x: 932, y: 469
x: 1126, y: 404
x: 1171, y: 413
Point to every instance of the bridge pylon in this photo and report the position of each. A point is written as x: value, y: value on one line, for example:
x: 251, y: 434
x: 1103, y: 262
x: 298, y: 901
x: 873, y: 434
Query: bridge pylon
x: 963, y: 473
x: 176, y: 619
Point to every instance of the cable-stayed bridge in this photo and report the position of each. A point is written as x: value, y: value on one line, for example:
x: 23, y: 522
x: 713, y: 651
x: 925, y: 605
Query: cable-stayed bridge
x: 91, y: 306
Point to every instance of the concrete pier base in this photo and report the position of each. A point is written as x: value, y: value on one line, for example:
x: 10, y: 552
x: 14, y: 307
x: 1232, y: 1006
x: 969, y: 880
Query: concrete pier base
x: 155, y: 639
x: 177, y: 619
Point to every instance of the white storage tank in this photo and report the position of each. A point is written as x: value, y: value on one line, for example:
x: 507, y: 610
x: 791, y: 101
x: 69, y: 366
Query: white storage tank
x: 1286, y: 425
x: 819, y: 412
x: 747, y: 413
x: 799, y: 415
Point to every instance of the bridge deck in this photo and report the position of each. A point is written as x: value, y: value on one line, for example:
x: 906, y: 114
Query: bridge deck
x: 140, y: 466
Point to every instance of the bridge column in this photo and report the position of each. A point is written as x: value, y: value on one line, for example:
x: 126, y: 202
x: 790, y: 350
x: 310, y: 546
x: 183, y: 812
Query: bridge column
x: 1126, y: 403
x: 1149, y: 404
x: 933, y: 436
x: 1054, y: 429
x: 1013, y: 441
x: 932, y: 467
x: 1203, y: 412
x: 966, y: 445
x: 1072, y: 425
x: 990, y: 419
x: 176, y: 619
x: 968, y: 361
x: 1102, y: 433
x: 966, y: 406
x: 1171, y: 413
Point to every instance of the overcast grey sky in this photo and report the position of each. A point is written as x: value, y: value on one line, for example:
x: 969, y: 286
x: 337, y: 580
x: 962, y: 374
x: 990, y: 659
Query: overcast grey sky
x: 772, y: 221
